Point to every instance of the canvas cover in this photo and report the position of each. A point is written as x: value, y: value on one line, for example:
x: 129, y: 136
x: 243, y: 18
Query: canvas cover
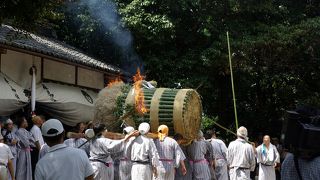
x: 12, y: 96
x: 69, y: 104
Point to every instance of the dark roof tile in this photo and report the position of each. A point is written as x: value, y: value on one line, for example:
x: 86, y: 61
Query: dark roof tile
x: 28, y: 41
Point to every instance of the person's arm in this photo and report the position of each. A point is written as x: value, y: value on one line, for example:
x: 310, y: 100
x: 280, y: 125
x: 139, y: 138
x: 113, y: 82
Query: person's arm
x: 75, y: 135
x: 277, y: 158
x: 11, y: 170
x: 37, y: 145
x: 183, y: 168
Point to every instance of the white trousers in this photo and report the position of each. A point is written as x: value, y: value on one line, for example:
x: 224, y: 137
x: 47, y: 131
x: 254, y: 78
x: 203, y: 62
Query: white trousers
x: 141, y: 172
x: 102, y: 172
x: 239, y: 174
x: 266, y: 172
x: 3, y: 172
x: 221, y: 170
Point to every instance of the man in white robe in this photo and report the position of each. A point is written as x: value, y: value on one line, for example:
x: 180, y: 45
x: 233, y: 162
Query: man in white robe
x: 24, y: 168
x: 100, y: 153
x: 144, y: 156
x: 241, y: 156
x: 125, y: 162
x: 201, y: 158
x: 11, y: 140
x: 220, y: 154
x: 170, y: 154
x: 267, y: 157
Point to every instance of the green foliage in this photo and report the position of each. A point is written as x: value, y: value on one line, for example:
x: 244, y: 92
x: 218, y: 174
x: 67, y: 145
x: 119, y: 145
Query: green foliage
x: 208, y: 123
x: 275, y: 47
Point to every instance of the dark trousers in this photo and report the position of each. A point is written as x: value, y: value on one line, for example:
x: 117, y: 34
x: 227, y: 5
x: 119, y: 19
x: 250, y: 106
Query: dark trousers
x: 34, y: 159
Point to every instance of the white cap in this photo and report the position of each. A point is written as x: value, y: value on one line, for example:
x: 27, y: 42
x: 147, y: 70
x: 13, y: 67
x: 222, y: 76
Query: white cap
x: 51, y: 128
x: 242, y: 132
x: 128, y: 129
x: 89, y: 133
x: 144, y: 128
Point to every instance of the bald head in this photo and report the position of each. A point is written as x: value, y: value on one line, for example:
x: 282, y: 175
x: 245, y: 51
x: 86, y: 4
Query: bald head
x: 266, y: 140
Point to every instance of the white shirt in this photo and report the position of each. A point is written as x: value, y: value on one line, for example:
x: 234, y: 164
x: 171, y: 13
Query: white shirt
x: 36, y: 132
x: 63, y: 163
x: 143, y: 149
x: 241, y: 154
x: 5, y: 154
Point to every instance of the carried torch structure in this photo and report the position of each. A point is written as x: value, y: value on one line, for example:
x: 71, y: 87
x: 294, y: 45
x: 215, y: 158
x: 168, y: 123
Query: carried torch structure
x: 179, y: 109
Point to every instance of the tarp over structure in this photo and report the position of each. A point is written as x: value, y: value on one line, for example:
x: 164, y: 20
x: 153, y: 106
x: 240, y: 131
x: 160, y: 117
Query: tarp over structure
x: 12, y: 96
x: 69, y: 104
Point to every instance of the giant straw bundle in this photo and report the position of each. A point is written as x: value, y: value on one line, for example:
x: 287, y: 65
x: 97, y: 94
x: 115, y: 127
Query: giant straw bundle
x: 179, y: 109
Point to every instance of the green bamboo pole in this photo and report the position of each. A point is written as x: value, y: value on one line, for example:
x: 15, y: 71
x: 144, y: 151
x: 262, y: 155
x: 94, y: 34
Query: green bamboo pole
x: 232, y: 84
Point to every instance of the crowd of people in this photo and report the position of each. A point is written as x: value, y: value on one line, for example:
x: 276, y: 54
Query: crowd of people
x: 47, y: 152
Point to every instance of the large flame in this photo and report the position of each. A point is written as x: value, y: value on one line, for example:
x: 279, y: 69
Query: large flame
x: 114, y: 81
x: 139, y: 96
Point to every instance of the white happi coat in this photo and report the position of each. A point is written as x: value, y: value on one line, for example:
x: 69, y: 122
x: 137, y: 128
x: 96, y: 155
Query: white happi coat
x: 178, y: 174
x: 76, y: 142
x: 267, y: 158
x: 170, y: 155
x: 220, y: 154
x: 125, y: 162
x: 143, y: 150
x: 10, y: 136
x: 198, y: 151
x: 241, y: 159
x: 24, y: 168
x: 101, y: 149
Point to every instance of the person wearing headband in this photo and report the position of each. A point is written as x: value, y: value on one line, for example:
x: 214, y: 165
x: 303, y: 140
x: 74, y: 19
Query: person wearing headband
x: 125, y: 163
x: 170, y: 154
x: 241, y: 156
x: 201, y: 157
x: 11, y: 139
x: 144, y: 155
x: 102, y: 148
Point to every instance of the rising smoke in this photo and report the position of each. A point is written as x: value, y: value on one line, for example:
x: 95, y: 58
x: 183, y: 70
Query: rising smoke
x: 105, y: 12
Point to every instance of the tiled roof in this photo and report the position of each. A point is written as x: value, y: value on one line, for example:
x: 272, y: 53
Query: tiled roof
x: 21, y: 39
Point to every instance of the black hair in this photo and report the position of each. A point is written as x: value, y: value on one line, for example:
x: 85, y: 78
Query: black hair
x: 55, y: 139
x: 178, y: 137
x: 20, y: 120
x: 99, y: 128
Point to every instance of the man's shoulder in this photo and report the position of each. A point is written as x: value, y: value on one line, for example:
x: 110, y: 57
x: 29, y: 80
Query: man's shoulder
x: 3, y: 145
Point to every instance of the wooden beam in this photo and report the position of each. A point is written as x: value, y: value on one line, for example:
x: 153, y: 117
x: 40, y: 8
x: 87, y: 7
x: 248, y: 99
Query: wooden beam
x: 56, y: 59
x: 3, y: 51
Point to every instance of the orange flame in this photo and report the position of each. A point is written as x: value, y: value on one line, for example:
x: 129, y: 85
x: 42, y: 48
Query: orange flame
x: 114, y: 81
x: 139, y: 96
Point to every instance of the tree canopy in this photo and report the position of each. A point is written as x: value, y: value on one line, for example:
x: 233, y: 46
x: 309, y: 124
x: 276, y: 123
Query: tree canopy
x: 274, y: 47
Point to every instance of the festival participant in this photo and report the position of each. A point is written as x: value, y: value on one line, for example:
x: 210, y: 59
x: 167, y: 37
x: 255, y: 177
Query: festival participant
x: 24, y: 168
x: 267, y: 157
x: 144, y: 155
x: 78, y: 131
x: 76, y: 138
x: 125, y: 163
x: 241, y: 156
x: 61, y: 162
x: 198, y: 152
x: 11, y: 140
x: 36, y: 132
x: 220, y: 154
x: 170, y: 154
x: 101, y: 149
x: 5, y: 161
x: 179, y: 175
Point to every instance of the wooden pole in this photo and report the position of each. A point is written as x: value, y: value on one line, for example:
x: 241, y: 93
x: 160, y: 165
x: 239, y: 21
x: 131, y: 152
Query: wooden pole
x: 232, y: 84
